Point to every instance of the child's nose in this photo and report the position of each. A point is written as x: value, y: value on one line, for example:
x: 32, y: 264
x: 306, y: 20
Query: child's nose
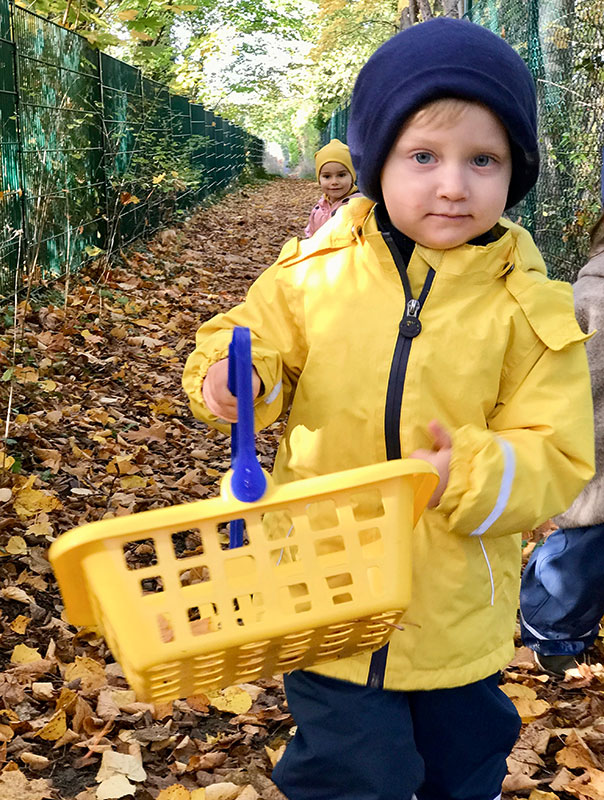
x: 453, y: 183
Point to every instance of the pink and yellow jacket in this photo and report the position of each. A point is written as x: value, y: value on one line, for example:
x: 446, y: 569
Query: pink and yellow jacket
x: 323, y: 210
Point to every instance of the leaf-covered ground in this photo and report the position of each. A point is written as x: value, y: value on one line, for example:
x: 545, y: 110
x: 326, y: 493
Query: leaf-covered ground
x: 95, y: 425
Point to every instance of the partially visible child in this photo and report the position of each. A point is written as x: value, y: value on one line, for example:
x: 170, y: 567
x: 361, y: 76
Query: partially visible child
x: 562, y: 594
x: 420, y: 322
x: 336, y: 176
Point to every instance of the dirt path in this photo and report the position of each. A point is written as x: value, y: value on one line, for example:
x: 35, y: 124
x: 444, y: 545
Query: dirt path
x: 99, y: 427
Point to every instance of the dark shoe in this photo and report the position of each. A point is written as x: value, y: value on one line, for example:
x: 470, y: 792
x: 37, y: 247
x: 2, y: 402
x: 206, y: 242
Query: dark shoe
x: 556, y: 665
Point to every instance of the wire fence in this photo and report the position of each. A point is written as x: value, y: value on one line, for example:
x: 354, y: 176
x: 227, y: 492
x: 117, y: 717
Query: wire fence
x: 563, y: 44
x: 94, y: 155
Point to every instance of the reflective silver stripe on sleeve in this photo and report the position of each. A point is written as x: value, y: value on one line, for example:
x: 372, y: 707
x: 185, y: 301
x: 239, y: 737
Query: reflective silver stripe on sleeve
x: 509, y: 470
x: 274, y: 393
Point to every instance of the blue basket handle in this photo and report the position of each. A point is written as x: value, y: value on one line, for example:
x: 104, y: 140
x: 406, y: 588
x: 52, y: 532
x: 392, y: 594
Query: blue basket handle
x: 248, y: 481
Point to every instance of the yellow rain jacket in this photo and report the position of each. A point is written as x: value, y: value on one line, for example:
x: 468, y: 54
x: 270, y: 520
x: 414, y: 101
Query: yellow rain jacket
x: 499, y: 361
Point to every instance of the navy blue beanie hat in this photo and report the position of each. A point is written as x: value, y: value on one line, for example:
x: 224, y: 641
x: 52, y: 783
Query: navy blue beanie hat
x: 442, y: 58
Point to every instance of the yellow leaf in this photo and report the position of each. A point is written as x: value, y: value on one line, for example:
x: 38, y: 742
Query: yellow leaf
x: 175, y: 792
x: 518, y: 690
x: 47, y: 386
x: 213, y: 473
x: 90, y: 671
x: 163, y: 407
x: 55, y: 727
x: 131, y: 13
x: 16, y: 546
x: 29, y: 501
x: 233, y: 699
x: 198, y: 794
x: 19, y: 624
x: 22, y: 654
x: 6, y: 462
x: 537, y: 794
x: 21, y: 419
x: 530, y: 709
x: 133, y: 482
x: 184, y: 8
x: 157, y: 179
x: 167, y: 352
x: 122, y: 465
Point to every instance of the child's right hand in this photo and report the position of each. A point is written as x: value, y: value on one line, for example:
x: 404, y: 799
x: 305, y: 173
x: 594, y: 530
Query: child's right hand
x: 216, y: 393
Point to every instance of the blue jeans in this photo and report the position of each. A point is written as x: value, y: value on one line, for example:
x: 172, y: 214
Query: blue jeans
x: 562, y: 592
x: 357, y: 742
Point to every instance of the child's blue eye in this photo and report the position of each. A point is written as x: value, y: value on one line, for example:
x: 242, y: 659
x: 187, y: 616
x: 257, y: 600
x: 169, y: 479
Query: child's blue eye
x: 482, y: 160
x: 423, y: 158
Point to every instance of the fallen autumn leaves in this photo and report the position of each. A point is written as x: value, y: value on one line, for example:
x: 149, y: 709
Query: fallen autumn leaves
x: 99, y: 427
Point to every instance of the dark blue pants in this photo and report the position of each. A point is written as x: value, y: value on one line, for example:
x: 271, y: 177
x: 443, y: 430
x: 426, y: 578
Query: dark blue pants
x: 562, y: 592
x: 359, y: 743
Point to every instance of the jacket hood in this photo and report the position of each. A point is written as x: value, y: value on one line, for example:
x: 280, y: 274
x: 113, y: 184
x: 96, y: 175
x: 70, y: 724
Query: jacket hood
x: 594, y: 268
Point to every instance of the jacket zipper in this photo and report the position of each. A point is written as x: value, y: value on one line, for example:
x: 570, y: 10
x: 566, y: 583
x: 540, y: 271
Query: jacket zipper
x: 409, y: 327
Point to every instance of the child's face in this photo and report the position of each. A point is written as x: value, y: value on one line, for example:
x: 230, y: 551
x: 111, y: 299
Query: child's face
x: 335, y: 180
x: 446, y: 180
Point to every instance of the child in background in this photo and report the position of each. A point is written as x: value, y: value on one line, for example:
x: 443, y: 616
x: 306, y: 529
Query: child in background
x: 336, y: 176
x: 562, y: 591
x: 420, y: 323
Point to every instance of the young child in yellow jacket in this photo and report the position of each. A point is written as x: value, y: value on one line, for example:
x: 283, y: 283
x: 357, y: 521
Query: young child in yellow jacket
x: 419, y: 322
x: 336, y: 176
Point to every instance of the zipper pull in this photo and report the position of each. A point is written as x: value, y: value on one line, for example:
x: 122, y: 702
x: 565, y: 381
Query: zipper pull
x: 410, y: 326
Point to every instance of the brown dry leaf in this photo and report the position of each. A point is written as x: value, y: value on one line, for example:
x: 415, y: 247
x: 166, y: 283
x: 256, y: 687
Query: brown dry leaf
x: 89, y: 671
x: 561, y: 780
x: 593, y: 789
x: 14, y: 593
x: 156, y: 433
x: 198, y: 702
x: 22, y: 654
x: 15, y: 786
x: 35, y: 760
x: 274, y: 755
x: 41, y: 527
x: 537, y: 794
x: 6, y: 733
x: 115, y: 787
x: 248, y: 793
x: 519, y: 782
x: 222, y: 791
x: 576, y: 754
x: 55, y: 728
x: 113, y: 763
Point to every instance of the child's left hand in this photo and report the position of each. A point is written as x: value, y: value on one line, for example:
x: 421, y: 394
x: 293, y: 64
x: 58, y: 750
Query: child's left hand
x: 439, y: 457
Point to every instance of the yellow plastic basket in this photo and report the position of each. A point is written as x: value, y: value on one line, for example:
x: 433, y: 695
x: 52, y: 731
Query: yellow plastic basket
x: 324, y: 573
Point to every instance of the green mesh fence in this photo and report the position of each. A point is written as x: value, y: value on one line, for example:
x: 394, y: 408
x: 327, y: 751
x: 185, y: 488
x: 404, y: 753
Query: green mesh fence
x: 94, y: 155
x: 563, y: 44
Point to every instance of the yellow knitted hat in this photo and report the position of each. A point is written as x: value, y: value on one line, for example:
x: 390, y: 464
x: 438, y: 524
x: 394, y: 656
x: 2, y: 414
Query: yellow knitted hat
x: 337, y: 151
